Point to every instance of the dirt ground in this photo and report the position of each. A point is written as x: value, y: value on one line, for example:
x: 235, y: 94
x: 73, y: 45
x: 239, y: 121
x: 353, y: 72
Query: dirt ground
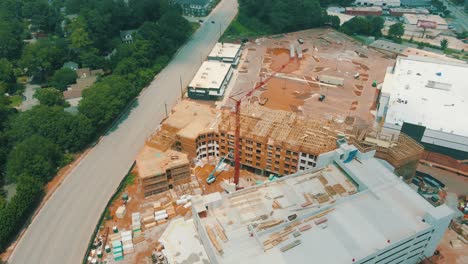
x: 295, y: 86
x: 449, y: 255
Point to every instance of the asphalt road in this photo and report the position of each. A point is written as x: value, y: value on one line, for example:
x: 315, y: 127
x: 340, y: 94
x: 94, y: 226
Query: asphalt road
x: 61, y: 231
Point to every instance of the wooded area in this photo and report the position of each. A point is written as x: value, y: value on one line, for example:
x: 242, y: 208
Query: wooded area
x: 37, y: 38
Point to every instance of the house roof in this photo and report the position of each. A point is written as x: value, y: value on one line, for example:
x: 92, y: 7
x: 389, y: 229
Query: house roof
x: 75, y: 90
x: 127, y: 34
x: 71, y: 65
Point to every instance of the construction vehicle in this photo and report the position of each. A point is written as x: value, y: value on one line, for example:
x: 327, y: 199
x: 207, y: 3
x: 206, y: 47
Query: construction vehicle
x: 212, y: 177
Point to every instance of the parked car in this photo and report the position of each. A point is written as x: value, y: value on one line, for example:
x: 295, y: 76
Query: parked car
x: 212, y: 22
x: 200, y: 21
x: 301, y: 41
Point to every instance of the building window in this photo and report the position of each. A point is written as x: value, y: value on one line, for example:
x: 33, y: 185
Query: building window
x: 277, y: 156
x: 278, y: 149
x: 287, y: 159
x: 259, y: 151
x: 259, y: 145
x: 258, y: 164
x: 303, y: 162
x: 301, y: 168
x: 288, y: 152
x: 277, y: 162
x: 286, y: 166
x: 294, y: 160
x: 257, y: 157
x: 303, y: 154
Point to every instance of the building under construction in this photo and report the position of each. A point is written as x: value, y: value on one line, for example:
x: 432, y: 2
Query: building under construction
x: 401, y: 151
x: 160, y: 171
x: 273, y: 141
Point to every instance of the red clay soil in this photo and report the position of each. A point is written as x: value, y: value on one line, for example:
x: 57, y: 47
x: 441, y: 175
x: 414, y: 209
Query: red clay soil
x: 357, y: 93
x: 444, y: 160
x: 283, y: 93
x: 280, y: 57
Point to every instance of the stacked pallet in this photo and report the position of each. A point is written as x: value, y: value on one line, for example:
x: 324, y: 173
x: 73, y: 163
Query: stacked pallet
x: 117, y: 250
x: 161, y: 216
x: 276, y: 238
x: 136, y: 225
x: 147, y: 218
x: 127, y: 244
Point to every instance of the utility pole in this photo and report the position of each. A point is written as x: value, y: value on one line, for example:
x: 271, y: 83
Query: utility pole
x: 181, y: 88
x: 165, y: 107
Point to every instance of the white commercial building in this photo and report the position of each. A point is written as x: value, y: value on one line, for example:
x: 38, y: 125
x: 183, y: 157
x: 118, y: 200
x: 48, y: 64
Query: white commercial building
x: 226, y: 52
x: 377, y: 3
x: 351, y: 208
x: 427, y: 99
x: 210, y: 81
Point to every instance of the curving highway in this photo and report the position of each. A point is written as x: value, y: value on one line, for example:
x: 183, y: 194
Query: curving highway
x: 61, y: 231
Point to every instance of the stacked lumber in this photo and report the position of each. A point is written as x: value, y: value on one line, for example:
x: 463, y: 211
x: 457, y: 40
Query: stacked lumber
x: 339, y: 189
x: 305, y: 228
x: 276, y: 205
x: 276, y: 238
x: 322, y: 198
x: 330, y: 190
x: 170, y: 211
x: 220, y: 232
x: 323, y: 180
x: 269, y: 223
x: 319, y: 215
x: 290, y: 245
x: 213, y: 239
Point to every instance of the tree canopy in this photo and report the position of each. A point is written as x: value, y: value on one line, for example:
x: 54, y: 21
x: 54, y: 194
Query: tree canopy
x: 370, y: 26
x: 35, y: 156
x: 50, y: 97
x: 70, y: 132
x: 279, y: 16
x: 62, y: 78
x: 396, y: 31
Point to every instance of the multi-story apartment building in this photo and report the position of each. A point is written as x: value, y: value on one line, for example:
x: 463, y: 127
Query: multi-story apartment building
x: 160, y: 171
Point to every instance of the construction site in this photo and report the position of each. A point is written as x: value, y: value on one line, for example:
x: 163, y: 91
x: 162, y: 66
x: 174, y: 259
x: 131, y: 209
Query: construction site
x: 290, y: 101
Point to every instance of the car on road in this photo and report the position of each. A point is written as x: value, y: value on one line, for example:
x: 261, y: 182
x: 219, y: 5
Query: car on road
x: 212, y: 22
x: 200, y: 21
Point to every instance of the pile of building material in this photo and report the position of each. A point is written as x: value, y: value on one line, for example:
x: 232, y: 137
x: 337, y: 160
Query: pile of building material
x: 120, y: 212
x: 117, y: 250
x: 126, y: 237
x: 136, y: 228
x: 147, y: 218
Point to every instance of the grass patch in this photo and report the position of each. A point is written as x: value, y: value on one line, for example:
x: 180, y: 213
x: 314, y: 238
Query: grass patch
x: 195, y: 26
x: 238, y: 30
x: 15, y: 100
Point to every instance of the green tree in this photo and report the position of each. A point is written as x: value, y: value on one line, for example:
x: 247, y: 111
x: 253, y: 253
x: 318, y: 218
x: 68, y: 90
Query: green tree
x: 50, y: 97
x: 370, y: 26
x: 42, y: 58
x: 103, y: 102
x: 62, y: 78
x: 35, y: 156
x: 11, y: 41
x: 396, y: 30
x: 7, y: 75
x: 43, y: 15
x: 17, y: 211
x: 79, y: 37
x: 334, y: 21
x: 69, y: 132
x: 444, y: 44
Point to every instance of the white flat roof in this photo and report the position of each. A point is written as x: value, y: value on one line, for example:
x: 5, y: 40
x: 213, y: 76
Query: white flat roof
x: 181, y: 243
x: 358, y: 225
x: 210, y: 75
x: 225, y: 50
x: 428, y: 92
